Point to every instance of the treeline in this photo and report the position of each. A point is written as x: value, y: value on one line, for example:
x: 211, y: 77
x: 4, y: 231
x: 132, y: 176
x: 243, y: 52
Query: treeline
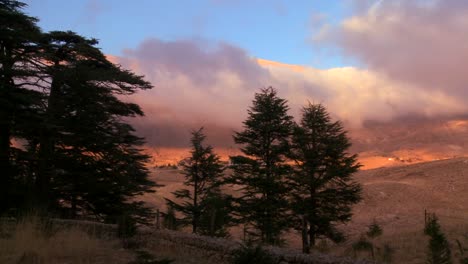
x: 290, y: 176
x: 65, y: 146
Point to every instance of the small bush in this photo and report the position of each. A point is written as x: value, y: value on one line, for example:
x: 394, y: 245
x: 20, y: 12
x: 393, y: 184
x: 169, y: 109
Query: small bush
x: 169, y: 219
x: 143, y: 257
x: 387, y: 254
x: 362, y: 245
x: 374, y: 230
x: 250, y: 254
x: 126, y: 227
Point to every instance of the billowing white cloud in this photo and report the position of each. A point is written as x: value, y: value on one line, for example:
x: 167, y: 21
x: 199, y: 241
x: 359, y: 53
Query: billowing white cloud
x: 419, y: 42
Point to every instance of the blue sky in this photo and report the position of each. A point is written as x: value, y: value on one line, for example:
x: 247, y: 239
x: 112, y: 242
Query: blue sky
x: 276, y: 30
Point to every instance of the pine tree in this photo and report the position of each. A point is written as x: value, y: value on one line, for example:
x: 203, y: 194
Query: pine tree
x: 438, y: 248
x: 19, y: 35
x: 322, y: 188
x: 261, y: 171
x: 203, y: 174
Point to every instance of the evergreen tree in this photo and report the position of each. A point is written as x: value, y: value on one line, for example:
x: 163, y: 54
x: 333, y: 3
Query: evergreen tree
x: 88, y: 156
x: 322, y: 188
x: 374, y: 230
x: 170, y: 220
x: 60, y: 98
x: 261, y: 171
x: 203, y: 174
x: 439, y: 248
x: 366, y: 243
x: 19, y: 35
x: 217, y: 217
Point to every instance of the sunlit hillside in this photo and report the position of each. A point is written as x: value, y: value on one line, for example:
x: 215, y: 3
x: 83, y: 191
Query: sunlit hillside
x: 396, y: 197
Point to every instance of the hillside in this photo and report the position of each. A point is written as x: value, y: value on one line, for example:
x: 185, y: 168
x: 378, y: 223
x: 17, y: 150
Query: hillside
x: 395, y: 197
x: 398, y: 195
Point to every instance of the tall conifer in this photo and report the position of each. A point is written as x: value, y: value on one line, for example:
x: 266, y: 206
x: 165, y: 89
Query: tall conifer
x: 261, y: 170
x: 322, y: 187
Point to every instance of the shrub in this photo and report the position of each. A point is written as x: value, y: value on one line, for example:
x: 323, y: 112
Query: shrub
x: 387, y: 254
x: 144, y: 257
x: 170, y: 220
x: 250, y: 254
x: 374, y: 230
x: 363, y: 245
x: 126, y: 227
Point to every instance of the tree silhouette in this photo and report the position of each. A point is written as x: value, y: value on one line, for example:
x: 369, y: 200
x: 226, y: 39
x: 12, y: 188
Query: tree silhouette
x: 322, y: 188
x: 261, y: 171
x: 438, y: 248
x: 19, y: 36
x: 88, y: 156
x: 60, y: 100
x: 202, y: 206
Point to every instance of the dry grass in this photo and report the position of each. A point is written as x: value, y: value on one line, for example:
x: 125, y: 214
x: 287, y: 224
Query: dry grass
x: 32, y: 242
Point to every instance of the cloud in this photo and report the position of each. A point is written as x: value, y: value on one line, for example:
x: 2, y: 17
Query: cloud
x: 200, y: 84
x: 195, y: 85
x: 212, y: 85
x: 418, y: 42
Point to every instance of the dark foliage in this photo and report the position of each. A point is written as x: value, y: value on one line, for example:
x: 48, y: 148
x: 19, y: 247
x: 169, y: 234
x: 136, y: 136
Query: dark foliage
x: 374, y: 230
x: 203, y: 206
x: 60, y: 102
x: 19, y: 36
x: 322, y: 188
x: 143, y: 257
x: 126, y: 227
x: 169, y: 219
x: 261, y: 170
x: 252, y: 254
x: 438, y: 248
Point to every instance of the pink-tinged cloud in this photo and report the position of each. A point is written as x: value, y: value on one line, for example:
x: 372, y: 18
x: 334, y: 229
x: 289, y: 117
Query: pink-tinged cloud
x: 423, y: 43
x: 213, y: 86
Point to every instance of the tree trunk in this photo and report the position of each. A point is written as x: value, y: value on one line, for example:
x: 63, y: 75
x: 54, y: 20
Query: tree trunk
x: 213, y: 222
x: 158, y: 221
x: 5, y: 146
x: 311, y: 237
x: 73, y: 207
x: 47, y: 144
x: 195, y: 204
x: 5, y: 180
x: 305, y: 239
x: 6, y: 117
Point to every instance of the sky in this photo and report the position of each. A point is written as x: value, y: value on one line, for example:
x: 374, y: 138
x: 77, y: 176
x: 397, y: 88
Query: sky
x: 365, y: 60
x: 276, y: 29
